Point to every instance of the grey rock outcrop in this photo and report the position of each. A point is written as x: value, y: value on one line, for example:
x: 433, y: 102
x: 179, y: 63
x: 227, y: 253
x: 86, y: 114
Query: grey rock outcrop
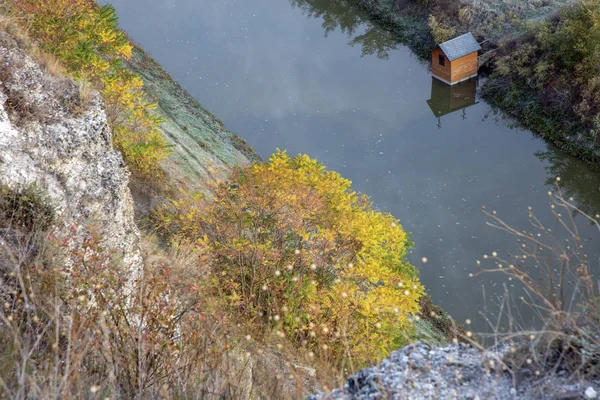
x: 420, y: 371
x: 54, y: 134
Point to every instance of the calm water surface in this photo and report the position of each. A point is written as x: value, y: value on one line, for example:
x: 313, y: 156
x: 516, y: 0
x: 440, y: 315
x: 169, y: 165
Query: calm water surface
x: 315, y: 77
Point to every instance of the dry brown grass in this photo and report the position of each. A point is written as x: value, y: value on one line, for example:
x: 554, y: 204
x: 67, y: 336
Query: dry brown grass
x: 18, y: 32
x: 22, y: 106
x: 11, y: 26
x: 560, y: 289
x: 50, y: 63
x: 93, y: 330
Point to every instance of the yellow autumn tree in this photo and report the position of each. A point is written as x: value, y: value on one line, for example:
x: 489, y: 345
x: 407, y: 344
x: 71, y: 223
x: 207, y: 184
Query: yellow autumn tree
x: 294, y: 248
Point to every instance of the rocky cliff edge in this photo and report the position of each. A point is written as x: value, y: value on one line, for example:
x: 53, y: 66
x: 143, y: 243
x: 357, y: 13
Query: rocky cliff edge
x: 54, y: 132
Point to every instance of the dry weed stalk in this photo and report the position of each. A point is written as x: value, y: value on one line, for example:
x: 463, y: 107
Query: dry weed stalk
x: 559, y: 287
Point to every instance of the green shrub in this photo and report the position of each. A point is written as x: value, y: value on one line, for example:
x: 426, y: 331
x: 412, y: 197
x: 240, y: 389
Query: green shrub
x: 439, y: 31
x: 558, y: 64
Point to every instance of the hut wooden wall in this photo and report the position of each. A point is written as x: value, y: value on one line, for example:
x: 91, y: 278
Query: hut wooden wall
x: 463, y: 67
x: 439, y: 71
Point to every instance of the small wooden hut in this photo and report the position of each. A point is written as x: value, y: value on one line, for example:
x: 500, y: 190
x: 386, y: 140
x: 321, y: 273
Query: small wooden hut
x: 455, y: 61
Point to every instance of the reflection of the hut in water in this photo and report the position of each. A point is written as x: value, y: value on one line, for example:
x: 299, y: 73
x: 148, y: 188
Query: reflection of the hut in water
x: 446, y: 99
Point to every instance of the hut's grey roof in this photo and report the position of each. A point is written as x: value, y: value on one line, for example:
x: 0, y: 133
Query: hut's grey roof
x: 460, y: 46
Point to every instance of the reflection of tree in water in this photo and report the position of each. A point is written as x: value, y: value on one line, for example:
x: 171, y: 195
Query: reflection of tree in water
x: 341, y: 14
x: 376, y: 41
x: 577, y: 180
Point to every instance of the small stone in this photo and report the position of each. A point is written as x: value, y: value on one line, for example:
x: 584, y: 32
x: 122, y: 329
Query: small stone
x: 590, y: 393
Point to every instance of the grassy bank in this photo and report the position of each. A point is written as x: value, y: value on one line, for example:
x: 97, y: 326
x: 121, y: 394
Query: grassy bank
x: 203, y: 149
x: 549, y: 80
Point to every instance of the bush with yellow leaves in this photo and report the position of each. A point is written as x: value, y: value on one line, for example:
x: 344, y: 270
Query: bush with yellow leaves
x: 86, y: 38
x: 294, y: 250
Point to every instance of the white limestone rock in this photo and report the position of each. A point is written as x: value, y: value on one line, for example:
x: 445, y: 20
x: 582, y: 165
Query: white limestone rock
x: 49, y: 136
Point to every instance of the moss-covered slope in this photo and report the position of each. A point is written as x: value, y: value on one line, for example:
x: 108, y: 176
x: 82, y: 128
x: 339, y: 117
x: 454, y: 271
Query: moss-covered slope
x: 202, y: 148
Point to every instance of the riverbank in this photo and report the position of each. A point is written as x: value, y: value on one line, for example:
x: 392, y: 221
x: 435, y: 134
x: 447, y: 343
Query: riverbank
x: 502, y: 27
x: 548, y: 79
x: 491, y: 22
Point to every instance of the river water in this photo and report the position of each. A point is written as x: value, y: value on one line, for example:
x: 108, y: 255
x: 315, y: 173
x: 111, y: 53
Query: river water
x: 315, y: 77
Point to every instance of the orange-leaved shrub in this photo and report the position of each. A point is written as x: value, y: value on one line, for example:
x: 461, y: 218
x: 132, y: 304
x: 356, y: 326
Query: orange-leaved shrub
x: 295, y: 250
x: 86, y: 38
